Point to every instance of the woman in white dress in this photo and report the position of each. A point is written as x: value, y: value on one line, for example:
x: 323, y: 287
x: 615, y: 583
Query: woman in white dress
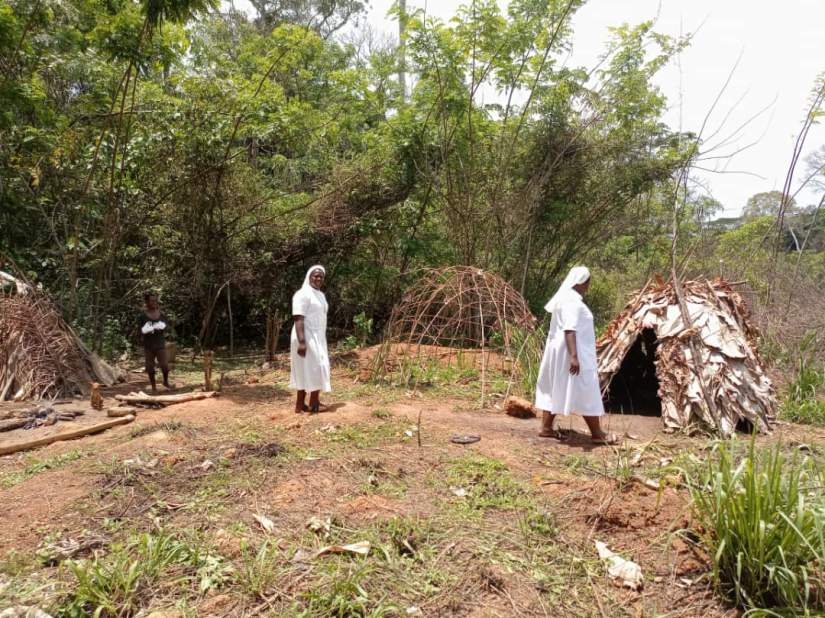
x: 308, y: 344
x: 568, y: 381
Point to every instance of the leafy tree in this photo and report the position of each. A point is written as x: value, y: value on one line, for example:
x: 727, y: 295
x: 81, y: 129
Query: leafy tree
x: 326, y: 17
x: 766, y: 204
x: 160, y: 143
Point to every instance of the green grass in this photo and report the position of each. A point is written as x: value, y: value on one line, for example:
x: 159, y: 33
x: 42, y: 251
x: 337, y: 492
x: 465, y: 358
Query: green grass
x: 805, y: 402
x: 345, y: 595
x: 191, y: 371
x: 529, y: 349
x: 17, y: 563
x: 367, y: 435
x: 488, y: 484
x: 138, y: 571
x: 415, y: 560
x: 432, y: 378
x: 374, y: 392
x: 576, y: 463
x: 401, y: 570
x: 35, y: 466
x: 379, y: 480
x: 260, y: 569
x: 808, y: 412
x: 761, y: 518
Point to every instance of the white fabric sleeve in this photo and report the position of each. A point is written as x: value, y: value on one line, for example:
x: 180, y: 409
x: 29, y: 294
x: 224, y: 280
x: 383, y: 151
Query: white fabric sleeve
x: 147, y: 328
x: 569, y: 316
x: 300, y: 304
x: 160, y: 325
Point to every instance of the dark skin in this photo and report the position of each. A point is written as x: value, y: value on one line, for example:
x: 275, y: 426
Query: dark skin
x: 593, y: 422
x: 152, y: 311
x: 316, y: 280
x: 153, y: 307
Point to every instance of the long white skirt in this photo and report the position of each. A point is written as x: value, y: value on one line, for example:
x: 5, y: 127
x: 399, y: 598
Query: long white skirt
x: 558, y: 391
x: 310, y: 372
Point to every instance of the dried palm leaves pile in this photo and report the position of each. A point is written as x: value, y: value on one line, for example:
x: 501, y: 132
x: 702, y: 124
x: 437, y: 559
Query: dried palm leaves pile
x: 40, y: 356
x: 709, y: 370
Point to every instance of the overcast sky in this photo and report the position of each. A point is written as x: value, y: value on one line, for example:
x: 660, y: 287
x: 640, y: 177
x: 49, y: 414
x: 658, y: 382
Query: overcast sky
x: 780, y: 47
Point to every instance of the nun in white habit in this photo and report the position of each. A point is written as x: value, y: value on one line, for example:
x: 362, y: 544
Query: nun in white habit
x: 568, y: 381
x: 308, y: 356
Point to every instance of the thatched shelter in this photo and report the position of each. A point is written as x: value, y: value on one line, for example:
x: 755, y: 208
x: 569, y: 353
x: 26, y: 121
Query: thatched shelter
x: 460, y: 316
x: 699, y: 373
x: 40, y: 355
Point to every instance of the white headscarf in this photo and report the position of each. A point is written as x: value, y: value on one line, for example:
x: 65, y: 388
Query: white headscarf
x: 307, y: 288
x: 576, y: 276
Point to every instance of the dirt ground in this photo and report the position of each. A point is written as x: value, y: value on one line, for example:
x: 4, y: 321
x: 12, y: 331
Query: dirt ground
x: 502, y: 527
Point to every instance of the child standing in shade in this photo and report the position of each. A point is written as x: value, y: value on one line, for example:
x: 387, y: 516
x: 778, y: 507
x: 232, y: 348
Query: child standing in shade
x: 152, y: 326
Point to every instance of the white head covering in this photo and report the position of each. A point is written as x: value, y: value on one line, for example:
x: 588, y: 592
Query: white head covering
x: 307, y: 288
x: 577, y: 275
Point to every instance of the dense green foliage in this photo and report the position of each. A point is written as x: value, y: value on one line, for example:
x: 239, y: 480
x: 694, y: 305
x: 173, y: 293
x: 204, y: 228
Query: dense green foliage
x: 213, y: 155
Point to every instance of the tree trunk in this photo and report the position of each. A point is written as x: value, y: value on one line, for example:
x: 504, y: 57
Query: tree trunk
x: 231, y: 324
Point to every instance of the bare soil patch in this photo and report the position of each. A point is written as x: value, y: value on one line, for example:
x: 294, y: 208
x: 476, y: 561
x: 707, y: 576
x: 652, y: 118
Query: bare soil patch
x: 504, y: 527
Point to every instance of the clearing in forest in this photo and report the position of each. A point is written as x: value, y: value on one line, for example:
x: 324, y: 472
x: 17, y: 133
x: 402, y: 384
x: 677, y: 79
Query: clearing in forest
x: 220, y: 507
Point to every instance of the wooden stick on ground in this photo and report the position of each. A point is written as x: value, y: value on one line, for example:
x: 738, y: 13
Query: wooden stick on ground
x: 164, y: 400
x: 66, y: 435
x: 14, y: 423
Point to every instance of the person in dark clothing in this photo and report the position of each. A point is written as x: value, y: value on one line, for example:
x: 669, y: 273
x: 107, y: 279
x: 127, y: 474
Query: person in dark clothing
x: 152, y: 326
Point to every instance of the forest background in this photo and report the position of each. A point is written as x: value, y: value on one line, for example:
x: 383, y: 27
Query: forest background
x: 213, y: 154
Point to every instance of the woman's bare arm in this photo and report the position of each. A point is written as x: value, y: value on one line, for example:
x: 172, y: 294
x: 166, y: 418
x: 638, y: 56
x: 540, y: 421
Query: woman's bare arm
x: 570, y: 340
x: 299, y: 331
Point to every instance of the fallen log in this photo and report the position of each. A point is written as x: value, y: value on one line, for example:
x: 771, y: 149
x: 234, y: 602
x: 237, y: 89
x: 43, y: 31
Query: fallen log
x: 15, y: 423
x: 121, y: 411
x: 66, y: 435
x: 142, y: 398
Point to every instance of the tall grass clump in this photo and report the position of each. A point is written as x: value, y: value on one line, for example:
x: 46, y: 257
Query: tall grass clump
x: 805, y: 402
x: 761, y: 517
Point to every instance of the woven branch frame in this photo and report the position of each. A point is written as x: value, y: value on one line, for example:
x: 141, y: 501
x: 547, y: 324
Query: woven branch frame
x: 460, y: 314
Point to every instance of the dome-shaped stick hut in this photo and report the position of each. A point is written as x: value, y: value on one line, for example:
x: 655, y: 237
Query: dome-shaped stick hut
x: 460, y: 315
x: 701, y: 372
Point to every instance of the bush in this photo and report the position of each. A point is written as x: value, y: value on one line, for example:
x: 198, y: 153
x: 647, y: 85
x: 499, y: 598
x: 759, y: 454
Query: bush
x: 363, y: 331
x: 803, y: 403
x: 760, y: 518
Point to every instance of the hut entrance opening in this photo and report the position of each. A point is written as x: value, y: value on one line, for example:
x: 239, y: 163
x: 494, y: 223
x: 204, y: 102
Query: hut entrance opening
x: 635, y: 388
